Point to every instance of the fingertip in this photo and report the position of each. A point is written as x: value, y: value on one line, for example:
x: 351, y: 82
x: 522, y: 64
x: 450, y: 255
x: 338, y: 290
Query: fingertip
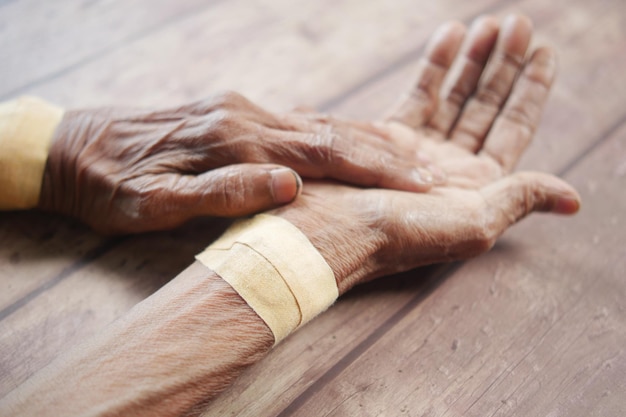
x: 516, y: 33
x: 546, y: 57
x: 567, y: 201
x: 558, y: 196
x: 566, y: 205
x: 444, y: 42
x: 451, y: 26
x: 456, y: 27
x: 286, y: 185
x: 485, y: 21
x: 518, y: 20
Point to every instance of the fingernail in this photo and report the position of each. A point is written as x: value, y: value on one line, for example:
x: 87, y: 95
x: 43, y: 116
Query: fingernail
x: 286, y: 185
x: 439, y: 175
x: 566, y: 205
x: 423, y: 175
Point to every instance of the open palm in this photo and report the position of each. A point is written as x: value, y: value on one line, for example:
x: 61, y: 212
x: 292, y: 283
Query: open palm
x: 474, y: 109
x: 477, y: 100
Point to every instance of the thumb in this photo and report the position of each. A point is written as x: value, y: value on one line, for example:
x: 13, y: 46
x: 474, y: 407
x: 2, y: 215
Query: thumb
x: 242, y: 189
x: 515, y: 196
x: 230, y: 191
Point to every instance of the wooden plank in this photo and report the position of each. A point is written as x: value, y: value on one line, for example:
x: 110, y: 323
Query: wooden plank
x: 329, y: 325
x: 256, y: 47
x: 94, y: 295
x: 42, y: 39
x: 34, y: 249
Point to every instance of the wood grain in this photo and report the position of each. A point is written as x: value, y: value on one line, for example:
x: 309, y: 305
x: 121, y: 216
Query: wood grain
x: 243, y: 400
x: 192, y: 52
x: 319, y: 48
x: 209, y: 35
x: 42, y: 40
x: 535, y: 327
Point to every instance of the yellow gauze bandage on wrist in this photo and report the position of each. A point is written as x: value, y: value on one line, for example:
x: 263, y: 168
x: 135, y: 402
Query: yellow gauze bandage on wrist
x: 275, y: 269
x: 26, y: 129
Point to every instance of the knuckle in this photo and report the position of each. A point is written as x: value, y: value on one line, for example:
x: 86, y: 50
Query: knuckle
x: 457, y: 96
x: 503, y: 161
x: 324, y: 148
x: 531, y: 194
x: 480, y: 228
x: 228, y: 99
x: 426, y: 95
x: 230, y: 193
x: 490, y: 94
x: 330, y: 148
x: 221, y: 100
x: 539, y: 77
x: 224, y: 120
x: 484, y: 236
x: 143, y: 206
x: 510, y: 59
x: 460, y: 91
x: 522, y: 116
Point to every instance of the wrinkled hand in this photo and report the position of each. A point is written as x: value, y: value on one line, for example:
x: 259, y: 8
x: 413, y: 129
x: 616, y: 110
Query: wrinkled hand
x: 477, y: 102
x: 477, y: 133
x: 128, y: 171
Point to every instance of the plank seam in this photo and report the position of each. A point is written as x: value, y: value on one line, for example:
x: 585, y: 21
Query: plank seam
x: 606, y: 135
x: 442, y: 275
x: 106, y: 50
x: 66, y: 272
x: 432, y: 283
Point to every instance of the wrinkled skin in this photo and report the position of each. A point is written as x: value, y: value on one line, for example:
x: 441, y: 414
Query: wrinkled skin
x: 129, y: 171
x: 476, y: 133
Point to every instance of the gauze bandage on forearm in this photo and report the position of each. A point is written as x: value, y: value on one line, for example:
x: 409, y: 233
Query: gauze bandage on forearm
x: 275, y: 269
x: 26, y: 128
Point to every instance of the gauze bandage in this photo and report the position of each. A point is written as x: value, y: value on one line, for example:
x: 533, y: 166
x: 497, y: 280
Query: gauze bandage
x: 26, y: 129
x: 275, y: 269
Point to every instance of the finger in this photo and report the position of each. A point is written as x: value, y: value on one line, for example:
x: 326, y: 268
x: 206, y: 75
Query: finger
x: 516, y: 124
x: 231, y: 191
x: 350, y: 155
x: 421, y: 101
x: 230, y: 103
x: 391, y: 137
x: 311, y: 120
x: 514, y: 197
x: 481, y: 110
x: 466, y: 72
x: 304, y: 109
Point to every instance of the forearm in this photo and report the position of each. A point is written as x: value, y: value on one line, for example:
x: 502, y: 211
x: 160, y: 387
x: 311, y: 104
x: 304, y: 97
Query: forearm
x: 169, y: 354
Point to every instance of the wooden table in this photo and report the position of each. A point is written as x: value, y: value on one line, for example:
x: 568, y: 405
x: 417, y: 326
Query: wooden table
x: 536, y: 327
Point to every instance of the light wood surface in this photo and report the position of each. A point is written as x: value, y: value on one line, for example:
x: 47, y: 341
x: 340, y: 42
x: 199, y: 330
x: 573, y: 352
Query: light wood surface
x: 536, y: 327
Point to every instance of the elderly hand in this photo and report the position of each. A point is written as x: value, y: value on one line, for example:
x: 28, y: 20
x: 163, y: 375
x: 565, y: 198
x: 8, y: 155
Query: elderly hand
x: 128, y: 171
x: 477, y: 134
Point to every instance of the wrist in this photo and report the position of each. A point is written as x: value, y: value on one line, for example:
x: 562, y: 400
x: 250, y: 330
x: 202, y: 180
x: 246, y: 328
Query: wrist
x: 349, y: 243
x: 58, y: 188
x: 276, y: 269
